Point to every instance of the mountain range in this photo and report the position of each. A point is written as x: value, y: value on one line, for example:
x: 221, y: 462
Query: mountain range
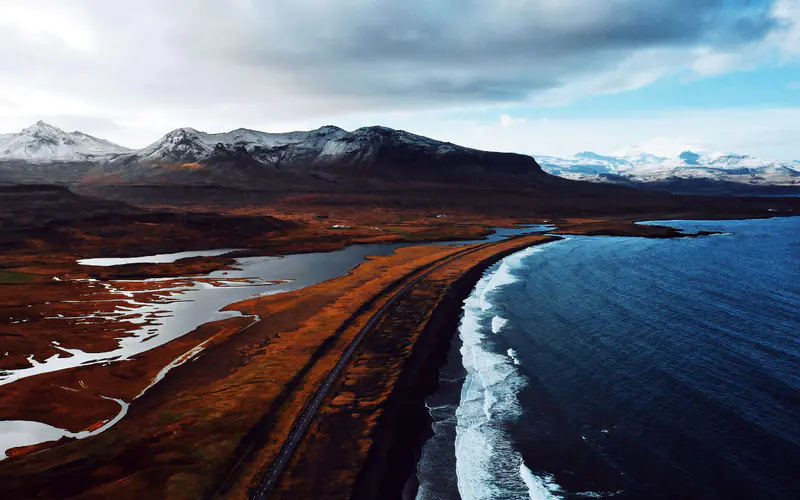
x: 243, y: 157
x: 246, y: 157
x: 687, y: 169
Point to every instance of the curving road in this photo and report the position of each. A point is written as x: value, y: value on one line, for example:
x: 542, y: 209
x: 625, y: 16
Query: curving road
x: 303, y: 421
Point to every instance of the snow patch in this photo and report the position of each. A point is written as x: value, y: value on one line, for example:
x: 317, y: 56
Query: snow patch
x: 637, y: 165
x: 43, y: 142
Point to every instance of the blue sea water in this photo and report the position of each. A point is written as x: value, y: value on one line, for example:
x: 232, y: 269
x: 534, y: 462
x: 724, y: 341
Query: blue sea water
x: 612, y: 367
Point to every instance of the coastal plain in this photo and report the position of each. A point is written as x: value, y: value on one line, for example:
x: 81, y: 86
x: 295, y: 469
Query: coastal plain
x: 208, y: 414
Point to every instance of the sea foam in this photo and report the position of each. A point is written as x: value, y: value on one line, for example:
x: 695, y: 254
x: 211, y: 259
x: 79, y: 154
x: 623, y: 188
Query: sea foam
x: 487, y: 464
x: 539, y: 487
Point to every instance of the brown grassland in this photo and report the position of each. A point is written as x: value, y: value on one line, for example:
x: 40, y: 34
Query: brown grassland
x: 214, y: 424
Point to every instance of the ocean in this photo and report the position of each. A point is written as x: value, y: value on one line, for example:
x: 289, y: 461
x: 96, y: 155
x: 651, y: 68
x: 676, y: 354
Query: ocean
x: 627, y: 368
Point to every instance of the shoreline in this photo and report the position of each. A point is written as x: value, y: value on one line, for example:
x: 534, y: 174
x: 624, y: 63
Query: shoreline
x: 174, y: 428
x: 392, y: 460
x: 406, y: 422
x: 713, y: 482
x: 405, y: 427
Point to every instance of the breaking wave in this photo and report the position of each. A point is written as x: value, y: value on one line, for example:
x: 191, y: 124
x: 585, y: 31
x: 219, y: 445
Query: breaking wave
x: 487, y: 464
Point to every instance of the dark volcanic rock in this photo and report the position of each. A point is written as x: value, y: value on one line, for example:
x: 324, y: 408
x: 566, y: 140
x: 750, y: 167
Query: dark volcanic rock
x: 47, y: 217
x: 398, y: 155
x: 329, y: 154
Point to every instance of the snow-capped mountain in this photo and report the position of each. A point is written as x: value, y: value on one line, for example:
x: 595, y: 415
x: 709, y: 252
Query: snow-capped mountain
x: 190, y: 145
x: 327, y: 153
x: 42, y: 142
x: 243, y: 157
x: 689, y: 165
x: 325, y: 144
x: 44, y: 153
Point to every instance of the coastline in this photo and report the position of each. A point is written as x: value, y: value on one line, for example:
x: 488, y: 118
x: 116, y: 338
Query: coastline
x: 405, y: 426
x: 231, y: 386
x: 540, y: 437
x: 390, y: 468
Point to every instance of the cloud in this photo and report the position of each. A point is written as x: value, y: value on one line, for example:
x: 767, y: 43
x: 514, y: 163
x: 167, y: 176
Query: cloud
x: 478, y: 50
x: 150, y: 65
x: 667, y: 146
x: 766, y: 133
x: 507, y: 120
x: 787, y: 13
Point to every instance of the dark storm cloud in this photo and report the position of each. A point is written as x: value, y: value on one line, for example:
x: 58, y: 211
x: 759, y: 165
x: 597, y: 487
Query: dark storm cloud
x: 228, y: 61
x: 496, y: 50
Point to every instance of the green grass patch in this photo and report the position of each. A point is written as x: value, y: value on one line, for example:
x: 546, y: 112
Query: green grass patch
x: 10, y: 277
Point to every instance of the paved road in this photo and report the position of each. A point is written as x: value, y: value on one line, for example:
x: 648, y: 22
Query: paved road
x: 304, y: 419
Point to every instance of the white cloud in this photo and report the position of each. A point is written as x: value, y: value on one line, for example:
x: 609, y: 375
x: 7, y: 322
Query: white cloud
x: 709, y: 62
x: 788, y: 12
x: 153, y: 65
x: 667, y: 146
x: 767, y: 133
x: 132, y: 71
x: 507, y: 120
x: 33, y: 21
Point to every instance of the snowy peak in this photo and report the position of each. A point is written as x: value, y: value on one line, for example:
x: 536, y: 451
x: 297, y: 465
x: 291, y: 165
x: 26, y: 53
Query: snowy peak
x: 640, y: 166
x: 588, y: 155
x: 42, y: 128
x: 325, y: 144
x: 329, y: 154
x: 190, y: 145
x: 182, y: 144
x: 42, y: 142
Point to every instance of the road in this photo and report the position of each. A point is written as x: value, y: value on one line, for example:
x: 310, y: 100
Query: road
x: 303, y: 421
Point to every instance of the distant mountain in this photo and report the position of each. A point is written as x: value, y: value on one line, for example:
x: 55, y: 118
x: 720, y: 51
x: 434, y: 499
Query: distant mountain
x: 367, y: 167
x: 250, y: 158
x: 42, y: 142
x: 190, y: 145
x: 332, y: 158
x: 328, y: 154
x: 735, y: 172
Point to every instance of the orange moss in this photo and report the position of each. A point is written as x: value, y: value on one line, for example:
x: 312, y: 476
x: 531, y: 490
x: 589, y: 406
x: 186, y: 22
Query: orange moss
x: 208, y: 406
x: 328, y: 460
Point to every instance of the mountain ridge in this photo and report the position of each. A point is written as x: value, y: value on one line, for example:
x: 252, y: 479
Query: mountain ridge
x: 331, y: 154
x: 292, y: 160
x: 328, y: 154
x: 42, y: 142
x: 688, y: 165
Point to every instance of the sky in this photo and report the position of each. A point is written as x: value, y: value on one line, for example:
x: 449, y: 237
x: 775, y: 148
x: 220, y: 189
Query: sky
x: 547, y: 77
